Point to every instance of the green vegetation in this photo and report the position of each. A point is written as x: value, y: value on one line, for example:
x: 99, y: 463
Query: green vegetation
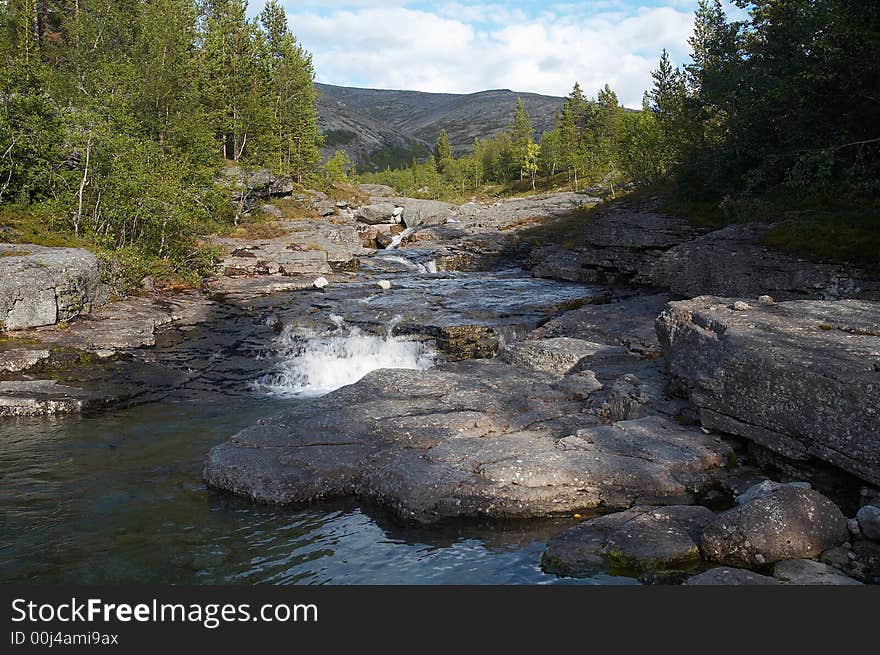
x: 774, y: 119
x: 116, y: 117
x: 338, y: 137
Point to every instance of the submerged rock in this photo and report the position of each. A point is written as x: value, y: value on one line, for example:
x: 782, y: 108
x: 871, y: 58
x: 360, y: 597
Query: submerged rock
x: 639, y: 540
x: 475, y: 438
x: 800, y: 378
x: 790, y: 523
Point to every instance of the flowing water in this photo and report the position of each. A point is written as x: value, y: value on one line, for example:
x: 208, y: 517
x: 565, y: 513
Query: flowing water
x: 118, y: 497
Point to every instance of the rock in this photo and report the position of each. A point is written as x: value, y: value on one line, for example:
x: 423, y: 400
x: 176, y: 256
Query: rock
x: 790, y: 523
x: 621, y: 244
x: 469, y: 439
x: 796, y: 377
x: 148, y: 284
x: 869, y: 521
x: 741, y: 306
x: 853, y: 527
x: 20, y: 359
x: 325, y: 207
x: 557, y: 355
x: 385, y: 285
x: 726, y: 576
x: 767, y: 487
x: 732, y: 262
x: 767, y: 300
x: 272, y: 210
x: 321, y: 283
x: 417, y: 213
x: 42, y: 397
x: 639, y: 540
x: 808, y: 572
x: 42, y: 286
x: 382, y: 212
x: 376, y: 190
x: 384, y: 239
x: 628, y: 323
x: 578, y: 386
x: 258, y: 183
x: 628, y: 399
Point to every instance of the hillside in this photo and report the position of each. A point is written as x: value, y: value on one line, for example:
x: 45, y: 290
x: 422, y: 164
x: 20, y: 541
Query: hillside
x: 379, y: 128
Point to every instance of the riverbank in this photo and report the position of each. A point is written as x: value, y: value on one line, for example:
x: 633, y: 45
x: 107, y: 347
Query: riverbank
x: 493, y: 393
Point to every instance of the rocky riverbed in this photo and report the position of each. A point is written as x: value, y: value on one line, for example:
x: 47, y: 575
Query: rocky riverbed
x: 705, y: 410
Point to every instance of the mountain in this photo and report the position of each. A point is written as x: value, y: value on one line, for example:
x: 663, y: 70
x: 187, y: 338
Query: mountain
x: 379, y: 128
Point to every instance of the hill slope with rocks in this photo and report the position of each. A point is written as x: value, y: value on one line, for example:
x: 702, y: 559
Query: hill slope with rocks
x: 378, y: 127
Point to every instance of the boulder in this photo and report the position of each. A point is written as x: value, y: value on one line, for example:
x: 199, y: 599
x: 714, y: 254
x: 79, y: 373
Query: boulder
x: 790, y: 523
x: 809, y: 572
x: 382, y: 212
x: 800, y: 377
x: 42, y: 286
x: 418, y: 213
x: 729, y: 577
x: 869, y: 521
x: 639, y: 540
x: 469, y: 439
x: 556, y: 356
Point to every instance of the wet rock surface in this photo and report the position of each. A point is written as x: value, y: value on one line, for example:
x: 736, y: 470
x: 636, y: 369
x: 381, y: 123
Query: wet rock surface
x: 42, y: 286
x: 799, y: 377
x: 637, y: 541
x: 470, y: 439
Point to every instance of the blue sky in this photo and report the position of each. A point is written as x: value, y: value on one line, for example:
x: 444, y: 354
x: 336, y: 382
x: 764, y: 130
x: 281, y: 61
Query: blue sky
x: 462, y: 47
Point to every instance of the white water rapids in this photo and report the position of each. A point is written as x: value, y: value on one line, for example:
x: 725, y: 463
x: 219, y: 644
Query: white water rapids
x: 313, y: 365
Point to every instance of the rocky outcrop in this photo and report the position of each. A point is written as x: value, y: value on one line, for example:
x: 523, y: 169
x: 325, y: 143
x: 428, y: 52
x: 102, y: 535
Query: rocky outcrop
x: 376, y: 190
x: 637, y: 541
x: 733, y: 262
x: 422, y: 213
x: 790, y: 523
x: 633, y: 242
x: 378, y: 213
x: 42, y: 286
x: 800, y: 378
x: 475, y: 438
x: 617, y: 246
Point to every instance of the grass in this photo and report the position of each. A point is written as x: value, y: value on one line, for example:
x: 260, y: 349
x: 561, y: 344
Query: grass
x: 821, y: 229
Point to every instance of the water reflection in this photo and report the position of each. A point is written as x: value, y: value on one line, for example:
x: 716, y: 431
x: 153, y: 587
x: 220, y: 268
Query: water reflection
x: 118, y: 498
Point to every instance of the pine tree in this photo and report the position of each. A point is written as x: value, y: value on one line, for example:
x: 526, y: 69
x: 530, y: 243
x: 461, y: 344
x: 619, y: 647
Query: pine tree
x: 443, y: 154
x: 522, y: 137
x: 295, y: 98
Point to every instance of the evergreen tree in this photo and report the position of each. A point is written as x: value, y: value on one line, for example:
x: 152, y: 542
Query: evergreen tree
x: 522, y: 137
x: 443, y: 154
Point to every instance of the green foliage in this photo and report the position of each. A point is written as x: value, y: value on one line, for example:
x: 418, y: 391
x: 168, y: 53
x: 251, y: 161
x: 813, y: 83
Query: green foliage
x: 116, y: 115
x: 339, y: 168
x: 338, y: 137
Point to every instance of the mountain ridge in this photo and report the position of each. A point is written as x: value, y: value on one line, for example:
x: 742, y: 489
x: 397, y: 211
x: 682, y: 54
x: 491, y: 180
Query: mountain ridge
x: 388, y: 127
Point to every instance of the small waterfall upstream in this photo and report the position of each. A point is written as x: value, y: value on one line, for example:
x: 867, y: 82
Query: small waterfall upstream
x: 314, y: 364
x: 397, y: 239
x: 411, y: 265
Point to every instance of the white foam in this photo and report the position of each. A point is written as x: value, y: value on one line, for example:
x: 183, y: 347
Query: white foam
x: 313, y: 365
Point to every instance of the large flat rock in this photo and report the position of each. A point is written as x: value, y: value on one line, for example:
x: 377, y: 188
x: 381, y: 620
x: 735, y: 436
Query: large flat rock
x: 801, y: 378
x: 477, y: 438
x: 42, y: 286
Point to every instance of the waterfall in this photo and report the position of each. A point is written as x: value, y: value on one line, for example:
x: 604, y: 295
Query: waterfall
x: 313, y: 365
x: 398, y: 239
x: 409, y: 264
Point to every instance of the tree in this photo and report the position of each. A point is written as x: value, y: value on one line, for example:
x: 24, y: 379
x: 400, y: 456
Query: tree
x: 522, y: 137
x: 338, y: 167
x: 295, y: 98
x: 442, y: 153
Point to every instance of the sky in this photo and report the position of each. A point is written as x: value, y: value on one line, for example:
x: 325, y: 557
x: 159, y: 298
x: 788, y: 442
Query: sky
x: 463, y: 47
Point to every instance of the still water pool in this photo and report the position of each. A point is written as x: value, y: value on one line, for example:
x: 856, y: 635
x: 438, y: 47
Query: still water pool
x: 118, y: 498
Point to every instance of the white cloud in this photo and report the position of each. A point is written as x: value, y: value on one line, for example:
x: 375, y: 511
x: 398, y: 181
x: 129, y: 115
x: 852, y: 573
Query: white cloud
x: 458, y: 48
